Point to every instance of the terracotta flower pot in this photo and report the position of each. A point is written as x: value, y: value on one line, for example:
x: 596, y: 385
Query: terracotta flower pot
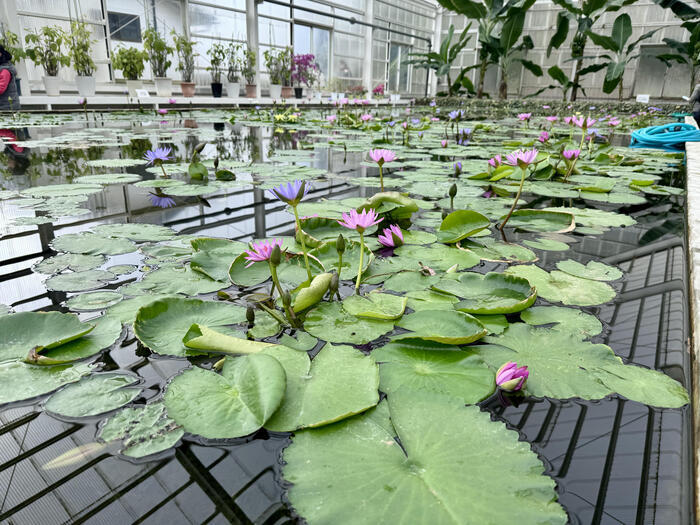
x: 187, y: 89
x: 287, y: 92
x: 251, y: 90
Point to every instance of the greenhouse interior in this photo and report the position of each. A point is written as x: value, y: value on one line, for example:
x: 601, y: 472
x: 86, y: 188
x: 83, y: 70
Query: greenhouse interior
x: 372, y: 262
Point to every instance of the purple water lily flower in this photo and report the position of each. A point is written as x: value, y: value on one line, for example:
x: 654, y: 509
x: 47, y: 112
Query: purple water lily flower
x: 162, y: 201
x: 511, y: 378
x: 392, y: 237
x: 292, y: 193
x: 159, y: 154
x: 522, y: 158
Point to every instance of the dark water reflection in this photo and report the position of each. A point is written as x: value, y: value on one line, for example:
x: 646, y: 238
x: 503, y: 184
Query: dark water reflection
x: 615, y: 461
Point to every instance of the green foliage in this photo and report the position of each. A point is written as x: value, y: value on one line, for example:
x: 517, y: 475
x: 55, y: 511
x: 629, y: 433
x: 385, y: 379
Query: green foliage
x: 687, y: 53
x: 233, y: 61
x: 130, y: 61
x: 248, y: 63
x: 11, y: 42
x: 46, y: 47
x: 79, y: 44
x: 185, y: 55
x: 158, y: 52
x: 278, y: 63
x: 217, y: 57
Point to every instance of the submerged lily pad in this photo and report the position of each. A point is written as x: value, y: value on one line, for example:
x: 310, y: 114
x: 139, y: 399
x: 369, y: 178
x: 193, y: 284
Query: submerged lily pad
x: 338, y: 383
x: 232, y: 404
x: 454, y: 465
x: 94, y: 394
x: 454, y: 328
x: 493, y: 293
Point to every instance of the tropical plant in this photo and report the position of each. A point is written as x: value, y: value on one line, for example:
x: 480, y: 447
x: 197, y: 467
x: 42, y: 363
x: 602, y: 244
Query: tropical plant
x: 185, y: 55
x: 278, y: 64
x: 623, y: 53
x: 233, y: 61
x: 584, y: 18
x: 158, y: 52
x: 250, y: 58
x: 130, y: 61
x: 562, y: 82
x: 441, y: 62
x: 490, y: 16
x: 47, y: 48
x: 687, y: 53
x: 217, y: 57
x: 79, y: 44
x: 305, y: 70
x: 11, y: 42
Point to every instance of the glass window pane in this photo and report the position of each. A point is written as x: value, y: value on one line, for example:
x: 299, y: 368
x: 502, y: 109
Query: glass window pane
x: 302, y: 39
x: 321, y: 48
x: 212, y: 21
x: 273, y: 32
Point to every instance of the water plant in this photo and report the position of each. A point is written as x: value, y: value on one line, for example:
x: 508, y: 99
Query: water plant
x: 381, y: 157
x: 360, y: 222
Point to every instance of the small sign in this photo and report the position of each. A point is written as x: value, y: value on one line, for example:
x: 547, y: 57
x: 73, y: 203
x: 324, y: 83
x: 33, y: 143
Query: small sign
x: 643, y: 99
x: 395, y: 98
x: 142, y: 93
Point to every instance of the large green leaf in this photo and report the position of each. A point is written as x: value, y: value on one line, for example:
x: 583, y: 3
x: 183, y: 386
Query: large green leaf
x: 453, y: 466
x: 441, y: 326
x: 592, y: 270
x: 562, y: 287
x: 571, y: 320
x: 461, y: 224
x: 200, y: 337
x: 562, y: 366
x: 541, y: 221
x: 375, y: 305
x: 493, y: 293
x: 338, y: 383
x: 94, y: 394
x: 420, y: 365
x: 621, y: 31
x: 162, y: 325
x: 90, y: 243
x: 313, y: 293
x: 232, y: 404
x: 21, y: 381
x: 173, y: 280
x: 22, y: 332
x: 107, y: 332
x: 331, y: 322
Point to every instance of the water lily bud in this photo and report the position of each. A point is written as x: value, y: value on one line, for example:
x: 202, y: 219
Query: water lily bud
x: 250, y: 315
x: 453, y: 191
x: 199, y: 147
x: 445, y: 213
x: 276, y: 255
x: 335, y: 283
x: 511, y: 378
x: 286, y: 299
x: 340, y: 244
x: 216, y: 163
x: 223, y: 295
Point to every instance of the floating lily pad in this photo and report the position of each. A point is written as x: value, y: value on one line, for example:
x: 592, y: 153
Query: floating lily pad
x: 62, y: 190
x: 21, y: 381
x: 116, y: 163
x: 327, y: 254
x: 108, y: 178
x: 436, y: 474
x: 92, y: 244
x: 330, y: 322
x: 90, y: 302
x: 563, y: 366
x: 94, y: 394
x: 301, y: 341
x: 73, y: 261
x: 454, y: 328
x: 138, y: 232
x: 561, y: 287
x: 498, y: 251
x: 550, y: 245
x: 107, y: 331
x: 592, y: 270
x: 122, y: 269
x: 232, y: 404
x: 571, y: 320
x: 461, y: 224
x: 338, y: 383
x: 125, y: 311
x: 493, y: 293
x: 439, y: 256
x: 430, y: 300
x: 24, y: 331
x: 78, y: 281
x: 418, y: 365
x: 214, y: 259
x: 173, y: 280
x: 542, y: 221
x: 375, y: 305
x: 142, y: 430
x: 162, y: 325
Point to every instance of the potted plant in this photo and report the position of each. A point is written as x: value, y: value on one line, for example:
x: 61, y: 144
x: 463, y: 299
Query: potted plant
x: 185, y: 58
x: 130, y: 61
x: 285, y: 60
x: 272, y: 64
x: 11, y: 42
x: 158, y: 52
x: 217, y: 56
x: 250, y: 59
x: 304, y: 73
x: 378, y: 91
x: 47, y: 49
x: 79, y: 45
x: 233, y: 63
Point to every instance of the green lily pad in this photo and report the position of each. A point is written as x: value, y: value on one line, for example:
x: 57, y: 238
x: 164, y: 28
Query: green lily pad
x: 330, y: 322
x: 116, y: 163
x: 571, y: 320
x: 563, y: 366
x: 492, y: 293
x: 214, y: 259
x: 592, y: 270
x: 430, y: 300
x: 418, y: 365
x: 338, y: 383
x: 107, y: 332
x: 301, y: 341
x: 327, y: 254
x: 65, y: 261
x: 498, y: 251
x: 453, y: 328
x: 375, y: 305
x: 24, y: 331
x: 163, y: 324
x: 94, y: 394
x: 142, y: 430
x: 561, y: 287
x: 92, y: 244
x: 62, y: 190
x: 436, y: 475
x: 461, y: 224
x: 596, y: 218
x: 410, y: 281
x: 125, y: 311
x: 550, y: 245
x: 122, y: 269
x: 21, y: 381
x: 310, y: 295
x: 108, y: 178
x: 541, y: 221
x: 439, y: 256
x: 232, y: 404
x: 200, y: 337
x: 137, y: 232
x: 173, y: 280
x: 78, y: 281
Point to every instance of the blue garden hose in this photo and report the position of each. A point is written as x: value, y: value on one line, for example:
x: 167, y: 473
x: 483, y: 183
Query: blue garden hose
x: 669, y: 136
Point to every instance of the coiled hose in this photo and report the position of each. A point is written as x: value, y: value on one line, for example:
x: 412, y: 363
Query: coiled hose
x: 671, y: 136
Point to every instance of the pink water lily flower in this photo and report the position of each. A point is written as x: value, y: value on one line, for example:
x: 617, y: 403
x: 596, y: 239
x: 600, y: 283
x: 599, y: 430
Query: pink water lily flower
x: 568, y: 120
x: 366, y: 117
x: 613, y: 122
x: 163, y: 111
x: 172, y: 101
x: 392, y: 237
x: 380, y: 156
x: 552, y: 118
x: 524, y: 117
x: 360, y: 221
x: 495, y: 161
x: 570, y: 154
x: 512, y: 378
x: 583, y: 122
x: 331, y: 118
x: 443, y: 143
x: 261, y: 251
x: 522, y: 158
x: 544, y: 137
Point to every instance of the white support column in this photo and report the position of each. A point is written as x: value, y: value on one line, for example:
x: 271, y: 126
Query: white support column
x: 437, y: 38
x: 9, y: 18
x: 251, y: 23
x: 367, y: 65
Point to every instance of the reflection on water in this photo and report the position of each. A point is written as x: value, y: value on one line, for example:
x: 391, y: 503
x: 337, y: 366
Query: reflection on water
x: 615, y: 461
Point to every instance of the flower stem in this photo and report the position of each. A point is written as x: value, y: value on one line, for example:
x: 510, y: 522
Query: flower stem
x: 303, y: 242
x: 165, y: 175
x: 362, y: 260
x: 276, y: 281
x: 340, y: 264
x: 381, y: 178
x: 515, y: 203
